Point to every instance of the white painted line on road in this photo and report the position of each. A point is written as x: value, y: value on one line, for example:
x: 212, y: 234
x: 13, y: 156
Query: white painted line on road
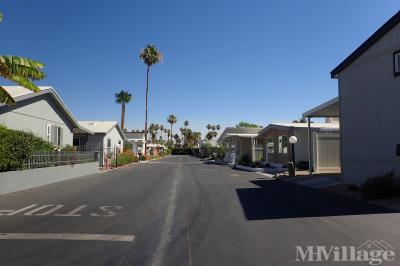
x: 51, y: 210
x: 166, y: 231
x: 31, y: 212
x: 5, y: 211
x: 22, y: 210
x: 66, y: 236
x: 73, y: 212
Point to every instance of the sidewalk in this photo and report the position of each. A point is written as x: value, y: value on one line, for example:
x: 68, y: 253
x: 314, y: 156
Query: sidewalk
x: 314, y: 181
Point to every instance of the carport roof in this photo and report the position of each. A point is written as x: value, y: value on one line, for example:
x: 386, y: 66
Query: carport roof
x: 327, y: 109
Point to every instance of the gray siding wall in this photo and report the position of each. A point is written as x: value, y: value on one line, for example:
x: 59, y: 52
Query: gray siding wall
x: 370, y: 118
x: 33, y: 115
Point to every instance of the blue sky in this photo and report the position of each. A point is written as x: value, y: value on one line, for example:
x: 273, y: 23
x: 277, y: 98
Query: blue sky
x: 224, y: 61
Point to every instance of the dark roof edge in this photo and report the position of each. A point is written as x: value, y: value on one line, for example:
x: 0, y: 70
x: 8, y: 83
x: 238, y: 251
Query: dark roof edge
x: 390, y: 24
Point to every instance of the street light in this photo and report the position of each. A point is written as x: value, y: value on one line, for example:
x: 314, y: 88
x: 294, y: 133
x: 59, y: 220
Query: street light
x: 293, y: 140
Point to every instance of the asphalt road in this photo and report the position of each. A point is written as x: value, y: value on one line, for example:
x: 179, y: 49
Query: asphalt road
x: 183, y: 211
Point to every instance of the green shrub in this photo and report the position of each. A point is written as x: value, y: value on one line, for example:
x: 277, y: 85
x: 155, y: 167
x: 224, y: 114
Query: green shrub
x: 384, y: 186
x: 209, y: 151
x: 125, y: 158
x: 16, y: 146
x: 245, y: 160
x: 68, y: 148
x: 127, y: 145
x: 185, y: 151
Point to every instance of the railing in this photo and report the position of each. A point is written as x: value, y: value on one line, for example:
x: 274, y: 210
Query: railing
x: 57, y: 158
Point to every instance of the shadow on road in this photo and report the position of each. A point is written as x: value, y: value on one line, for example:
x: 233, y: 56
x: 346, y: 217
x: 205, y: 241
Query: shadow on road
x: 279, y: 199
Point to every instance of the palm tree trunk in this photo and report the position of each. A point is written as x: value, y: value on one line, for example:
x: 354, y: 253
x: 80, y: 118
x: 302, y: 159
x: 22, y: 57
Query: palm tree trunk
x: 171, y: 135
x: 145, y: 123
x: 123, y: 117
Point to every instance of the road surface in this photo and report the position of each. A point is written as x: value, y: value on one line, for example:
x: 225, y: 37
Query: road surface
x: 182, y: 211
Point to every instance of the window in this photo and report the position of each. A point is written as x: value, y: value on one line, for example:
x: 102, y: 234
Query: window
x: 270, y: 145
x: 109, y: 143
x: 396, y: 63
x: 54, y: 135
x: 283, y: 144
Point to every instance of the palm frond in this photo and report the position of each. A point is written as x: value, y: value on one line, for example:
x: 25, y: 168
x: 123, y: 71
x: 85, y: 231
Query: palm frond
x: 5, y: 97
x: 21, y: 61
x: 20, y: 66
x: 24, y: 82
x: 1, y: 16
x: 150, y: 55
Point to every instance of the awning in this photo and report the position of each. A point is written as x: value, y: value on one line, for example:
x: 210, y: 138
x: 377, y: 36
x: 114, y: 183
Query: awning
x: 327, y: 109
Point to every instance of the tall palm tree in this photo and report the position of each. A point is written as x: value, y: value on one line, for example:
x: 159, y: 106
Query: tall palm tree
x: 161, y: 131
x: 20, y: 70
x: 169, y: 134
x: 150, y: 56
x: 156, y: 128
x: 165, y: 133
x: 186, y: 123
x: 218, y: 127
x: 123, y: 97
x: 172, y: 120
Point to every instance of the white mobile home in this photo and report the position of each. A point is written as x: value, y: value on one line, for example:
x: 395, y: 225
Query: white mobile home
x: 108, y: 136
x: 240, y: 143
x: 325, y: 136
x: 42, y: 113
x: 369, y: 94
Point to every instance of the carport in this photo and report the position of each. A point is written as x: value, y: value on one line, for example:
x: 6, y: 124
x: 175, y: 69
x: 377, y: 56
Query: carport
x: 330, y: 108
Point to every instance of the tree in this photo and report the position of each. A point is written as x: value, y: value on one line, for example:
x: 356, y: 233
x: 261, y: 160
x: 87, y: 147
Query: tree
x: 165, y: 133
x: 209, y: 127
x: 156, y: 128
x: 161, y: 131
x: 301, y: 120
x: 169, y: 136
x: 20, y: 70
x: 150, y: 56
x: 246, y: 124
x: 177, y: 139
x: 210, y: 135
x: 186, y: 124
x: 123, y: 97
x: 172, y: 120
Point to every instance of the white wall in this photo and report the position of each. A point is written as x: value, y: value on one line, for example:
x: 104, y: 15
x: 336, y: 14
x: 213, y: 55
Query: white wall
x: 115, y: 138
x: 370, y: 118
x: 33, y: 115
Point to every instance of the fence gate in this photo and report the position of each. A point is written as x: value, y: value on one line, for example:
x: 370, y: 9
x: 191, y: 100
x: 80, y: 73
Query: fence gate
x: 326, y: 152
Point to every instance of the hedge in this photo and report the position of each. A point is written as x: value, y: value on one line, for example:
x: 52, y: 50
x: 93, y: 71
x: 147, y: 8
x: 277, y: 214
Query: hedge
x: 16, y: 146
x: 125, y: 158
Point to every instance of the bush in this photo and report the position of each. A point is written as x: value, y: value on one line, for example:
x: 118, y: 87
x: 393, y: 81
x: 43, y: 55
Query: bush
x: 68, y: 148
x: 209, y: 151
x: 125, y: 158
x: 16, y: 146
x: 245, y: 160
x: 384, y: 186
x: 185, y: 151
x: 127, y: 145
